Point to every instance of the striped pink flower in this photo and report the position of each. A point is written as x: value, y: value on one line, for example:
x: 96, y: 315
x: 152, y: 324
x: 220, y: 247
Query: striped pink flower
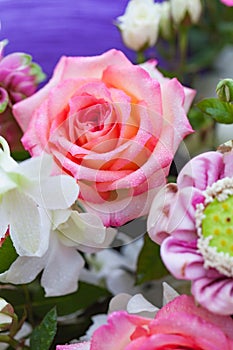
x: 192, y: 220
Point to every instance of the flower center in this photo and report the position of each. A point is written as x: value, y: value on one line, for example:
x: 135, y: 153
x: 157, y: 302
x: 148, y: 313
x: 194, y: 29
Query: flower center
x: 214, y: 222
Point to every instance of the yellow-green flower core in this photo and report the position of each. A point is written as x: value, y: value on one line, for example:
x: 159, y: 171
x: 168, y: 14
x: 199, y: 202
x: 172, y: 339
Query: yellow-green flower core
x: 214, y: 224
x: 218, y: 224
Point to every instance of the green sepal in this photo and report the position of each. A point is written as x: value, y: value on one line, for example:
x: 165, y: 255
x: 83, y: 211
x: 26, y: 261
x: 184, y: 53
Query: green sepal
x: 7, y: 254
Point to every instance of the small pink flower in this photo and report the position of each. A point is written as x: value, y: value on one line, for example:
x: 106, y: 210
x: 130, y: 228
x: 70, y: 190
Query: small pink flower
x: 110, y: 125
x: 19, y: 78
x: 178, y: 325
x: 193, y: 222
x: 227, y: 2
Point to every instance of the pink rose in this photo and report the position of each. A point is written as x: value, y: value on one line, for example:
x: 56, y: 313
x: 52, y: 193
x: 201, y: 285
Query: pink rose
x: 180, y: 324
x: 112, y: 126
x: 227, y: 2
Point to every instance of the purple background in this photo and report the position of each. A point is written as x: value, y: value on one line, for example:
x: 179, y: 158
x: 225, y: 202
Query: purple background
x: 48, y: 29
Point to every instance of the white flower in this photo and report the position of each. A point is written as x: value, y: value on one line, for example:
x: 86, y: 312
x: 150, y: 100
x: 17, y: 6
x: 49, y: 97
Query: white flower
x: 140, y: 24
x: 61, y: 263
x: 6, y: 314
x: 180, y: 8
x: 46, y: 233
x: 27, y: 193
x: 115, y: 268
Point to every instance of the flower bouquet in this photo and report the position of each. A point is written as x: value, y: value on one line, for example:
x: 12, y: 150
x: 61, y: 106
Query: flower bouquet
x: 105, y: 242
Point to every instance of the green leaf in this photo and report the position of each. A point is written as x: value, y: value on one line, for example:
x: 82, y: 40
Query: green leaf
x: 7, y: 254
x: 150, y: 266
x: 220, y: 111
x: 85, y: 296
x: 198, y: 119
x: 43, y: 335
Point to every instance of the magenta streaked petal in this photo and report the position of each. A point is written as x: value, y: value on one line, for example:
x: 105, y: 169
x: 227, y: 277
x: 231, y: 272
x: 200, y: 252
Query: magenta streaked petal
x: 214, y: 293
x: 15, y: 61
x: 182, y: 259
x: 202, y: 171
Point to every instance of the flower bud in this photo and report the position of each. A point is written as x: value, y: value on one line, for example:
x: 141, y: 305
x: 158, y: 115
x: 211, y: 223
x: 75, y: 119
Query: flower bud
x: 181, y: 8
x: 140, y: 24
x: 6, y: 314
x: 224, y: 90
x: 19, y: 78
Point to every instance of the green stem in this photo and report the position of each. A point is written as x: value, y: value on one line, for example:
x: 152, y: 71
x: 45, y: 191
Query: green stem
x: 183, y: 51
x: 28, y: 305
x: 140, y: 57
x: 9, y: 340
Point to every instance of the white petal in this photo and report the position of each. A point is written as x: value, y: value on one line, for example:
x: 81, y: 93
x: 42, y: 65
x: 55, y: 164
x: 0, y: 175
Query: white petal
x: 3, y: 222
x: 3, y: 303
x: 97, y: 321
x: 55, y: 192
x: 5, y: 319
x: 23, y: 270
x: 85, y: 229
x: 6, y: 184
x: 62, y: 270
x: 7, y: 163
x: 26, y: 230
x: 119, y: 302
x: 120, y: 281
x: 60, y: 217
x: 138, y: 304
x: 36, y: 167
x: 168, y: 293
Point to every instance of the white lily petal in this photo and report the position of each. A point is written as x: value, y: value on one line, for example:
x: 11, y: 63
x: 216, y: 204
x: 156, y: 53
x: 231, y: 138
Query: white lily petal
x: 138, y: 304
x: 168, y: 293
x: 55, y: 192
x: 119, y: 302
x: 62, y: 270
x: 59, y: 217
x: 6, y: 184
x: 3, y: 222
x: 36, y: 167
x: 7, y: 163
x: 23, y: 270
x: 85, y: 229
x: 26, y: 228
